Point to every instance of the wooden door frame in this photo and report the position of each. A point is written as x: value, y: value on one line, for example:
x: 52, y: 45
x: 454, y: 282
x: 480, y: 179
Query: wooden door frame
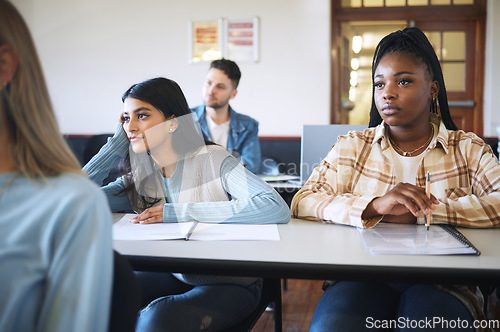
x: 476, y: 12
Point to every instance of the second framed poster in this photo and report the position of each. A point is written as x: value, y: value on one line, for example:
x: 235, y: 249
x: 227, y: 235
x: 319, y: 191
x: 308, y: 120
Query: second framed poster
x: 235, y: 39
x: 241, y: 39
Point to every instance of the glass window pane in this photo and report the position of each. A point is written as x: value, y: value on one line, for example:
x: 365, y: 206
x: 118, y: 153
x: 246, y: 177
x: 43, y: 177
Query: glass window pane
x: 435, y: 40
x: 440, y: 2
x: 351, y: 3
x: 454, y: 76
x: 394, y: 3
x: 374, y: 3
x: 355, y: 101
x: 418, y: 2
x: 454, y: 45
x: 463, y: 2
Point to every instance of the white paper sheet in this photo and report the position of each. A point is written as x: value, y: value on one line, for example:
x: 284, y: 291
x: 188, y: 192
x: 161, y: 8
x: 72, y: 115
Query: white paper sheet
x: 279, y: 178
x: 124, y: 230
x: 401, y: 239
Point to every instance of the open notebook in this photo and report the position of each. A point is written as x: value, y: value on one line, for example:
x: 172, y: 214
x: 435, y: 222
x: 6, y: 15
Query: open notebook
x: 124, y: 230
x: 403, y: 239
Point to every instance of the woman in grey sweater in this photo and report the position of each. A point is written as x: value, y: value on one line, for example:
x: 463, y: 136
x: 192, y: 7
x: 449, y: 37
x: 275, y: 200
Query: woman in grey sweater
x: 173, y: 175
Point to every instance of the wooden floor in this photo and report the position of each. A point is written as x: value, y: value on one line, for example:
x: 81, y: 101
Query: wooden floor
x: 493, y: 312
x: 299, y: 301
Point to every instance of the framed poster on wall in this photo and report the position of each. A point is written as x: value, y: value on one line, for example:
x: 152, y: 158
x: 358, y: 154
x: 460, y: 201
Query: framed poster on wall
x: 241, y: 43
x: 206, y: 40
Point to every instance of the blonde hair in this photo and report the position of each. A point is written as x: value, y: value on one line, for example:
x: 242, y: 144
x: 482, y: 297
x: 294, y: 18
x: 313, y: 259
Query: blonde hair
x: 36, y: 145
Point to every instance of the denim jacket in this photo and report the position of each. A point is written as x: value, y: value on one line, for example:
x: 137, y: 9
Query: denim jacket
x: 242, y: 140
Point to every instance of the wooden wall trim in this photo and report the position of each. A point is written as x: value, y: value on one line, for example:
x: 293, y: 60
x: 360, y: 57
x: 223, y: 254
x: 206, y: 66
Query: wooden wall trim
x: 75, y: 136
x: 279, y: 138
x: 262, y: 138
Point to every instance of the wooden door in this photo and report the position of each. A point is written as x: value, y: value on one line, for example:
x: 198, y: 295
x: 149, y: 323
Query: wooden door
x: 455, y: 44
x: 455, y: 27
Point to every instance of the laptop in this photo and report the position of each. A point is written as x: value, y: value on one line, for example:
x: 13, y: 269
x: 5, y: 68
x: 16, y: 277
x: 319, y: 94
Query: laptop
x: 317, y: 140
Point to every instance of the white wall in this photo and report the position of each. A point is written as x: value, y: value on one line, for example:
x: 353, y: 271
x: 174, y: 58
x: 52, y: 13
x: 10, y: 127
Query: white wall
x: 492, y: 66
x: 92, y: 51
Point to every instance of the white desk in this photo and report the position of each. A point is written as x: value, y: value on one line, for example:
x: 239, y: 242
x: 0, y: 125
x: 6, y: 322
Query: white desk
x: 311, y: 250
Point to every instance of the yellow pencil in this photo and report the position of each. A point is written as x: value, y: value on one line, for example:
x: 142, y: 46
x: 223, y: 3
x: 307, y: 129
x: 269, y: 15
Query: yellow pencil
x: 428, y: 193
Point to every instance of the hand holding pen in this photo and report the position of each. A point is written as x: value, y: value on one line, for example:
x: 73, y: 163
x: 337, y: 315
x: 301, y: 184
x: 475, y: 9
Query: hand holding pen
x: 402, y: 201
x: 428, y: 216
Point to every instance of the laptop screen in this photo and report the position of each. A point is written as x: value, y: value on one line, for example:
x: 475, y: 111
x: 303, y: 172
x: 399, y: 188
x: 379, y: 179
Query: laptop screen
x: 317, y: 140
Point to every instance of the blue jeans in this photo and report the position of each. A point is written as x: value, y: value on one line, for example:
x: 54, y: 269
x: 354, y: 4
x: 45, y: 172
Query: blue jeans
x: 364, y: 306
x: 171, y: 305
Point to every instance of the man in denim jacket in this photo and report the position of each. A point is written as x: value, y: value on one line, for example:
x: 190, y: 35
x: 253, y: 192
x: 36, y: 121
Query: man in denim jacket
x: 220, y: 123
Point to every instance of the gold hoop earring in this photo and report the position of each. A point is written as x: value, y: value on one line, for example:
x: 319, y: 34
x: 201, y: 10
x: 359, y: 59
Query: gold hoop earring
x: 434, y: 105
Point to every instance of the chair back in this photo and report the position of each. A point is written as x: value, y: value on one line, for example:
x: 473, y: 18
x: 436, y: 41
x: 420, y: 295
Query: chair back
x: 126, y: 298
x: 270, y: 296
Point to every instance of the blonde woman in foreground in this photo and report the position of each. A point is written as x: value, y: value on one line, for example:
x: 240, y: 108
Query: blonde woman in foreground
x: 55, y: 244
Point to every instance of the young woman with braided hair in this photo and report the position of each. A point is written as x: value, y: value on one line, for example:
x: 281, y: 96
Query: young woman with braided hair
x: 379, y: 175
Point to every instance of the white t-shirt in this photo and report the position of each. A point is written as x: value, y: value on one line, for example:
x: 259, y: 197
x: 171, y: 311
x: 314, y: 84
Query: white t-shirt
x: 219, y: 133
x: 406, y: 167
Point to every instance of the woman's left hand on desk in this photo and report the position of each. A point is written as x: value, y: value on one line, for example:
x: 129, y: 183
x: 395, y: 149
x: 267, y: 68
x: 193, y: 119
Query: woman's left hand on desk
x: 406, y: 218
x: 149, y: 216
x: 404, y: 198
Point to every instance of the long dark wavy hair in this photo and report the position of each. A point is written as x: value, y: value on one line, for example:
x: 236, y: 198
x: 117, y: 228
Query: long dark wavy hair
x: 414, y: 42
x: 166, y: 96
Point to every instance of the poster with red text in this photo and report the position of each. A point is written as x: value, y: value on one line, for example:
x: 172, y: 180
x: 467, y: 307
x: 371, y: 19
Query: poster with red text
x: 242, y: 40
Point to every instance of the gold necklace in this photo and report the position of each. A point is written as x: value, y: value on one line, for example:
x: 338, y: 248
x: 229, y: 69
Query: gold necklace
x: 409, y: 153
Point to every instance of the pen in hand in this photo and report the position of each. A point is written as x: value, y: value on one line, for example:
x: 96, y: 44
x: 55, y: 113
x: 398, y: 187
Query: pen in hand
x: 191, y: 230
x: 428, y: 193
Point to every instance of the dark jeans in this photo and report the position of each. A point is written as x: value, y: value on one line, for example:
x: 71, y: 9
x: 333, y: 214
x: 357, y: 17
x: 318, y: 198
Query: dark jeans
x: 363, y: 306
x: 171, y: 305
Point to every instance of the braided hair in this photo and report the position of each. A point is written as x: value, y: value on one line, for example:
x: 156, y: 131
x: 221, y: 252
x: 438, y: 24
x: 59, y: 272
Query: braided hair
x: 414, y: 42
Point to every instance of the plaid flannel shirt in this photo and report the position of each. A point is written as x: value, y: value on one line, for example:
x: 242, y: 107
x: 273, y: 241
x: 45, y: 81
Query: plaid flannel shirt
x: 465, y: 178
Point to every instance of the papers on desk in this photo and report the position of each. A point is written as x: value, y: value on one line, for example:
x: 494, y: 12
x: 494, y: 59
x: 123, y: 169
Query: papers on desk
x: 124, y: 230
x: 280, y: 178
x: 403, y: 239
